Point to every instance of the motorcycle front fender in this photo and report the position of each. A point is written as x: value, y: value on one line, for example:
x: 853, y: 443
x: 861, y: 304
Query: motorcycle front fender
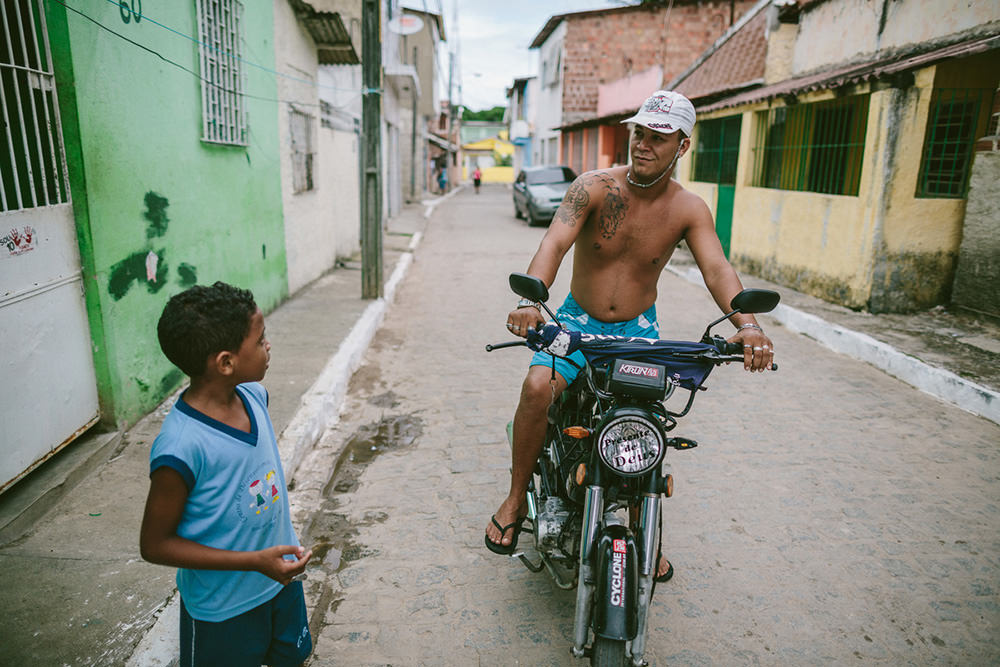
x: 616, y: 599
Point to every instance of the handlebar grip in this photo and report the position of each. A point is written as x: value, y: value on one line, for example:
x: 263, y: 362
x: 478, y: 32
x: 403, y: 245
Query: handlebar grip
x: 732, y: 348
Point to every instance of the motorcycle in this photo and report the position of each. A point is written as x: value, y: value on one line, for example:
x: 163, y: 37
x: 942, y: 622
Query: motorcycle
x: 603, y: 454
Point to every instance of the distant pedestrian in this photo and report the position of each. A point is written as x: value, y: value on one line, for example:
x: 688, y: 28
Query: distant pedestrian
x: 477, y: 179
x: 218, y: 505
x: 443, y: 180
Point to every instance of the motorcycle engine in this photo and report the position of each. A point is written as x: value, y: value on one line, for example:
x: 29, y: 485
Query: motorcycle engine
x: 552, y: 521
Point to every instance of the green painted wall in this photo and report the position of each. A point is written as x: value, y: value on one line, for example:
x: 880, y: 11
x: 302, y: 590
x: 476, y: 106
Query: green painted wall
x: 143, y: 181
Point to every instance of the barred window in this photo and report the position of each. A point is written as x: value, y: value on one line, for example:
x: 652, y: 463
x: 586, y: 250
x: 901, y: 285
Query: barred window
x: 32, y: 160
x: 220, y: 25
x: 957, y: 117
x: 301, y: 133
x: 717, y: 150
x: 812, y: 147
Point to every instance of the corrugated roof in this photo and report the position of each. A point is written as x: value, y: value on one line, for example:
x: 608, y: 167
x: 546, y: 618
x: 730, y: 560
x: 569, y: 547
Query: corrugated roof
x: 333, y: 42
x: 855, y: 73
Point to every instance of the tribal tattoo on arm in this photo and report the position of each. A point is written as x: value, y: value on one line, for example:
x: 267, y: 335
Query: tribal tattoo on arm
x: 574, y: 204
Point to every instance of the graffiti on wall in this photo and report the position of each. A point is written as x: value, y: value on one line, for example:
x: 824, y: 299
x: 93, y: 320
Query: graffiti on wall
x: 19, y: 241
x: 149, y: 265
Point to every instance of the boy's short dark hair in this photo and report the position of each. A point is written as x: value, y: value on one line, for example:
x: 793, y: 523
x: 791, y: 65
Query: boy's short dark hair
x: 202, y: 321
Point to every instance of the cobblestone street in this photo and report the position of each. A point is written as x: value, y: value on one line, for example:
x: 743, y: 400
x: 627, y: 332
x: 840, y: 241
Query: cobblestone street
x: 830, y: 515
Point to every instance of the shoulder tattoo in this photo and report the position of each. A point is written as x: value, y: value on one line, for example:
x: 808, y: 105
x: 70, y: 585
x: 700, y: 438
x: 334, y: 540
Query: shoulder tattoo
x: 574, y: 203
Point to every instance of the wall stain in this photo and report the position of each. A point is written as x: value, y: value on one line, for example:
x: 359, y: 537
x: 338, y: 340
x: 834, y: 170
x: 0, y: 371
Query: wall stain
x: 156, y: 213
x: 133, y: 268
x: 171, y: 381
x: 188, y: 274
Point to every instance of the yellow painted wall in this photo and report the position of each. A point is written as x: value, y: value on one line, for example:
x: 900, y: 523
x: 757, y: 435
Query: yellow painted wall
x: 883, y: 248
x: 492, y: 175
x: 915, y: 225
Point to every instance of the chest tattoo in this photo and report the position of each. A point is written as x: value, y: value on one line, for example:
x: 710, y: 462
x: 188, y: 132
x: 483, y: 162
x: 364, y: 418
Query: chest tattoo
x: 615, y: 205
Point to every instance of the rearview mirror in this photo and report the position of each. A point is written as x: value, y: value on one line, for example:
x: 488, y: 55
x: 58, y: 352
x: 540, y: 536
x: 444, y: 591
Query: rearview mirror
x: 529, y: 287
x: 755, y: 301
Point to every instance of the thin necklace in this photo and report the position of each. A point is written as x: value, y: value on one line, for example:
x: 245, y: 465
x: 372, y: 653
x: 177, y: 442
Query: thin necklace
x: 628, y: 174
x: 628, y: 177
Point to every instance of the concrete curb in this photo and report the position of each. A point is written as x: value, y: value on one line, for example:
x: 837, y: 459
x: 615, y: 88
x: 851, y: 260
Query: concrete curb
x: 937, y: 382
x: 320, y: 408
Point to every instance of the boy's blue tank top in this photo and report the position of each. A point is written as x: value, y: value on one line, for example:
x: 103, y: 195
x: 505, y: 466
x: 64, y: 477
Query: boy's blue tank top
x: 237, y: 500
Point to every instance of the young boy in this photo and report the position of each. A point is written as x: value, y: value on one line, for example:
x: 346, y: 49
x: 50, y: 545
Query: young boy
x: 217, y: 506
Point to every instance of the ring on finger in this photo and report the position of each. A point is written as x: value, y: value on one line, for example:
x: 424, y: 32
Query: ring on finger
x: 757, y: 349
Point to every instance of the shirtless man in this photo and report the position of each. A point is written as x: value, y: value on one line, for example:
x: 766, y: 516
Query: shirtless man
x: 625, y: 223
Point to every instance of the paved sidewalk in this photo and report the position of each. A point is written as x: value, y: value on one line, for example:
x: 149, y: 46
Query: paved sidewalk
x: 77, y: 591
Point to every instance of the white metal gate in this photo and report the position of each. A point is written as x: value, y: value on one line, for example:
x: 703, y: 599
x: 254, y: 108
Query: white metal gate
x: 48, y: 390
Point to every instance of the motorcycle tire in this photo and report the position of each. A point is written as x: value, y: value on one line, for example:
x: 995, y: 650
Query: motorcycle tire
x: 608, y: 653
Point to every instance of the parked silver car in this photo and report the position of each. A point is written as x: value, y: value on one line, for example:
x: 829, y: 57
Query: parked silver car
x: 538, y: 191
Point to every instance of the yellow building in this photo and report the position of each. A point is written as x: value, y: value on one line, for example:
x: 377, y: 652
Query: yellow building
x: 489, y: 155
x: 835, y: 145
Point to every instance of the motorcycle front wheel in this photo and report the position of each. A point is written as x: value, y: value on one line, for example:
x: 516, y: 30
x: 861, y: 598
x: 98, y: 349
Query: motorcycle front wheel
x: 608, y: 653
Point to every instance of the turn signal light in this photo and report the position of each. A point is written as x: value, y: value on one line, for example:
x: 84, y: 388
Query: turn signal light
x: 581, y: 474
x: 577, y: 432
x: 667, y: 485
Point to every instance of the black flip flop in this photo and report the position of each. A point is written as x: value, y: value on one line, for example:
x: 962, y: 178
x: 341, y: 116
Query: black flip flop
x: 502, y: 549
x: 666, y: 575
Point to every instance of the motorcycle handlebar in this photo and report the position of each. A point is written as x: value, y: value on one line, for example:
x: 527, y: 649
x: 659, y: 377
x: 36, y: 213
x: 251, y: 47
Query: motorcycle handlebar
x: 497, y: 346
x: 739, y: 358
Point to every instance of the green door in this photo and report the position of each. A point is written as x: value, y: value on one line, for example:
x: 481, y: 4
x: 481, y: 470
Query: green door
x: 724, y: 215
x: 715, y: 158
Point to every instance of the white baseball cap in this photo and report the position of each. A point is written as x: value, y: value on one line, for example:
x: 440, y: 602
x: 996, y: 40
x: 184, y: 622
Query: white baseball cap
x: 665, y: 111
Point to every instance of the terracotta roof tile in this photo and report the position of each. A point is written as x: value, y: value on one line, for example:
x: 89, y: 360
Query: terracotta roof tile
x: 737, y: 62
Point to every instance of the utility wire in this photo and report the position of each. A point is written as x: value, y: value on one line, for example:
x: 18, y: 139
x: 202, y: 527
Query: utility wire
x: 196, y: 74
x: 222, y: 51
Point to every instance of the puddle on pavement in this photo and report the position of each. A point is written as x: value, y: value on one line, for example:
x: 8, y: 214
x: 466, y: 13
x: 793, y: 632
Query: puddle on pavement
x: 331, y: 534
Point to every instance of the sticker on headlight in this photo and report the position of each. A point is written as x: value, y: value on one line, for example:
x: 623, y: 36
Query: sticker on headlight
x: 630, y: 446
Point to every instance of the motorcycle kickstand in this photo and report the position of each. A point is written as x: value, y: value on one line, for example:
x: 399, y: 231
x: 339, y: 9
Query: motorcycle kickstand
x: 527, y: 563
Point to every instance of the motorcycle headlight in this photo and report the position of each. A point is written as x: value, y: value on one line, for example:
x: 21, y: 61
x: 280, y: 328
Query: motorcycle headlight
x: 630, y: 443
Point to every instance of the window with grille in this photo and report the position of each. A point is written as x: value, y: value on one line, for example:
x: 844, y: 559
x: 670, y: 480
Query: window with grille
x: 220, y: 24
x: 301, y: 134
x: 32, y: 161
x: 815, y: 147
x: 717, y: 150
x: 955, y: 121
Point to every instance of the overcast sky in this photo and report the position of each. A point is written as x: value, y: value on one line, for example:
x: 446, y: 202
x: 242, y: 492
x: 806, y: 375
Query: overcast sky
x: 493, y: 38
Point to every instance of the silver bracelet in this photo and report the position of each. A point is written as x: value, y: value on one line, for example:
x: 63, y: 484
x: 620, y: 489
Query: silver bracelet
x: 524, y: 303
x: 749, y: 325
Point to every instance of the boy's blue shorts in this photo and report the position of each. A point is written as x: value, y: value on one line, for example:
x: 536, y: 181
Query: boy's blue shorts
x: 574, y: 318
x: 273, y: 633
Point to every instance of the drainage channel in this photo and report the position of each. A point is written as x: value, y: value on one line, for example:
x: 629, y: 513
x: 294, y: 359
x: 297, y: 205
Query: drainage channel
x: 331, y: 533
